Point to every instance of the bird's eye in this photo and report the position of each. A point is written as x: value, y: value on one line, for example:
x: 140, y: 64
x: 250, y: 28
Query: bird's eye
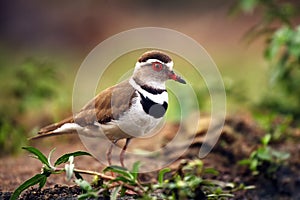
x: 156, y: 66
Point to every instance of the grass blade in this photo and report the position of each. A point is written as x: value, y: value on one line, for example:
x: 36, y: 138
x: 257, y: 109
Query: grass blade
x: 123, y: 179
x: 120, y: 170
x: 135, y: 169
x: 115, y: 192
x: 65, y: 158
x: 161, y: 175
x: 39, y: 155
x: 42, y: 181
x: 39, y: 178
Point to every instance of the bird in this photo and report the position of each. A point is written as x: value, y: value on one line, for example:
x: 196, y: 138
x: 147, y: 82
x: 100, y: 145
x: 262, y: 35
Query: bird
x: 126, y: 110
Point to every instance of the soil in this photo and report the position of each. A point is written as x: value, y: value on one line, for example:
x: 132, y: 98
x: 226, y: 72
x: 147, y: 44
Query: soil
x: 240, y: 136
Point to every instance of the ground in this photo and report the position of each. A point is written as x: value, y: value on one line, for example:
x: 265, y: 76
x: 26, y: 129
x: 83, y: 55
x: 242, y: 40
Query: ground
x: 240, y: 136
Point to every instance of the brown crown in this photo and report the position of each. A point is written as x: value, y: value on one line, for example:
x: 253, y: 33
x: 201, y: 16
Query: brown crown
x: 155, y: 55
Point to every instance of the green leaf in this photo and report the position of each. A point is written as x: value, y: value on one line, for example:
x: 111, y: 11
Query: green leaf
x: 39, y: 155
x: 83, y: 184
x: 43, y: 181
x: 280, y: 38
x: 253, y: 165
x: 88, y: 195
x: 124, y: 180
x: 135, y: 169
x: 264, y: 154
x: 253, y: 155
x: 244, y: 162
x: 39, y: 178
x: 120, y: 170
x: 271, y: 50
x: 123, y: 191
x: 161, y: 175
x: 294, y: 47
x: 266, y: 139
x: 115, y: 192
x: 211, y: 171
x: 65, y: 158
x: 281, y: 156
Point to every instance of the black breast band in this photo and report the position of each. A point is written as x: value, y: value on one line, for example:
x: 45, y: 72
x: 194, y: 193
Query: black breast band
x: 152, y: 90
x: 151, y: 108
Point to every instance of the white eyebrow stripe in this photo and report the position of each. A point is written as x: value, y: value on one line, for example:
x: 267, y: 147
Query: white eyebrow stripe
x: 169, y: 64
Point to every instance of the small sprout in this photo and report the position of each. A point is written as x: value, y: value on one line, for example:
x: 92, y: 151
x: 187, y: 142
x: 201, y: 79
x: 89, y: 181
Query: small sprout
x: 69, y: 168
x: 266, y: 139
x: 83, y: 184
x: 89, y: 192
x: 49, y: 159
x: 161, y: 175
x: 48, y: 169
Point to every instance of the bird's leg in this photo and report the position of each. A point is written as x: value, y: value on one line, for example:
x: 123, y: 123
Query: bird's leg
x: 123, y: 151
x: 108, y: 153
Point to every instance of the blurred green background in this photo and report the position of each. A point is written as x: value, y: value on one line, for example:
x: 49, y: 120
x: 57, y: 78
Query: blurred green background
x: 43, y: 44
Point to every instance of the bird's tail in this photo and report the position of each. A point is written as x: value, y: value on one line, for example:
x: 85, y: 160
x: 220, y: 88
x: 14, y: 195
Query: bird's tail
x: 53, y: 129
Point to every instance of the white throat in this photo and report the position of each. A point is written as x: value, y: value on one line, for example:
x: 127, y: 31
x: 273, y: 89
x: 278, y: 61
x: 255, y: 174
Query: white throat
x: 158, y: 98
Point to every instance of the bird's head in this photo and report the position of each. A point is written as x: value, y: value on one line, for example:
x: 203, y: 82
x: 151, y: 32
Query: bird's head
x: 154, y: 68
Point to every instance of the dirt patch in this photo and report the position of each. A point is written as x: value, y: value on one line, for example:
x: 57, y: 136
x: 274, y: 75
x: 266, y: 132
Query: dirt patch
x: 239, y: 138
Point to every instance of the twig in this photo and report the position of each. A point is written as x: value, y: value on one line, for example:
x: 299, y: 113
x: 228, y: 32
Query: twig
x: 88, y: 172
x: 139, y: 189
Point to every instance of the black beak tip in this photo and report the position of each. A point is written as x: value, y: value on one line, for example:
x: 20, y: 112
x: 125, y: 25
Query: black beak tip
x: 181, y: 80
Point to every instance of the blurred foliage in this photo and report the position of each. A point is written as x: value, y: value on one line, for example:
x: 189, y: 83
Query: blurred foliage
x: 265, y: 160
x: 34, y: 81
x: 277, y: 125
x: 272, y: 11
x: 11, y: 136
x: 282, y: 51
x: 26, y: 87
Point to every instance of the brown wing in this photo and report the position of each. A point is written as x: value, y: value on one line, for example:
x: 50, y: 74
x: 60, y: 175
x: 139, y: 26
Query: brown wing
x: 106, y: 106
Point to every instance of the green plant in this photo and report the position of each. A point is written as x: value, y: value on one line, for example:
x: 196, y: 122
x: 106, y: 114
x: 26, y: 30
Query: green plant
x: 186, y: 182
x: 48, y: 169
x: 127, y: 180
x: 265, y: 160
x: 282, y: 51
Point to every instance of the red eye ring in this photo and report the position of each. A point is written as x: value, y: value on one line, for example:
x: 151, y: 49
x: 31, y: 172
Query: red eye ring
x: 156, y: 66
